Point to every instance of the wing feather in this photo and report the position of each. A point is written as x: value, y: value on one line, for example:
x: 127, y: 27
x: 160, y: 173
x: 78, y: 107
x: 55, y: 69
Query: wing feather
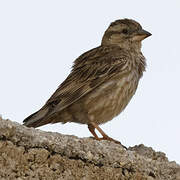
x: 89, y: 71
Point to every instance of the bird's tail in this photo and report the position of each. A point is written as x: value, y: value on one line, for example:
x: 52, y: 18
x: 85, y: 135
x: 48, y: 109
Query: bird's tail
x: 37, y: 119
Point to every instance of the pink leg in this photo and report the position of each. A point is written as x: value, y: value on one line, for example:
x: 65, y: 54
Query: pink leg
x: 92, y: 126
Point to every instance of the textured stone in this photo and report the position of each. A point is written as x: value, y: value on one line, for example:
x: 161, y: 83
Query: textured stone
x: 28, y: 153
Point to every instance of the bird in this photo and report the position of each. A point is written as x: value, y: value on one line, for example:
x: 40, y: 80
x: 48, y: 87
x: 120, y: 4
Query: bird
x: 101, y: 83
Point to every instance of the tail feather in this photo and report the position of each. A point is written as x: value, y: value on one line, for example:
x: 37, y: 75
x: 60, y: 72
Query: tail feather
x: 36, y: 119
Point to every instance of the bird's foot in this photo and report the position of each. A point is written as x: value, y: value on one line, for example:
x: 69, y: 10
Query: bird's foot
x: 92, y: 126
x: 110, y: 139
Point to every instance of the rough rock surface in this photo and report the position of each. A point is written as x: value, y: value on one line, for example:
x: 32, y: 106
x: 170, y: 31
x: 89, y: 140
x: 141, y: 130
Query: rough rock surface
x: 27, y: 153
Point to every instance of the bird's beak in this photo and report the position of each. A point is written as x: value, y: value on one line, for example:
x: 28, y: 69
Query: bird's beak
x: 140, y: 35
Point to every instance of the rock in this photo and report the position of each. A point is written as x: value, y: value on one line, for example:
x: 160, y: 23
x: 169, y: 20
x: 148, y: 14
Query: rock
x: 28, y: 153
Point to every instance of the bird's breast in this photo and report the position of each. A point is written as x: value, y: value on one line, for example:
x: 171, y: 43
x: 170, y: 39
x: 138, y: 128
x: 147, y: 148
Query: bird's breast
x: 109, y: 99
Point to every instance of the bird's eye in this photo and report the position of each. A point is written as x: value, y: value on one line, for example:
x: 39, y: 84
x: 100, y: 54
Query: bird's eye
x: 124, y: 31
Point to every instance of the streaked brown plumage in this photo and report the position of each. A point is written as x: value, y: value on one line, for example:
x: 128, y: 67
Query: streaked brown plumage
x: 101, y: 83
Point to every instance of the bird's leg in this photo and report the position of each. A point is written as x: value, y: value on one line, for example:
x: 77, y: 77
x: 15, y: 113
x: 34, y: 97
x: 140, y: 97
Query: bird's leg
x: 92, y: 130
x: 92, y: 126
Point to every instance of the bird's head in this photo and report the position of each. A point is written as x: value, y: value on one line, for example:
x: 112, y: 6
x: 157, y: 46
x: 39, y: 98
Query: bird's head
x: 125, y: 33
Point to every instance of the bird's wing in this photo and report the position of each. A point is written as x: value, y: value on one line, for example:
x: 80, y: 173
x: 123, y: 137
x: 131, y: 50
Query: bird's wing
x: 89, y: 71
